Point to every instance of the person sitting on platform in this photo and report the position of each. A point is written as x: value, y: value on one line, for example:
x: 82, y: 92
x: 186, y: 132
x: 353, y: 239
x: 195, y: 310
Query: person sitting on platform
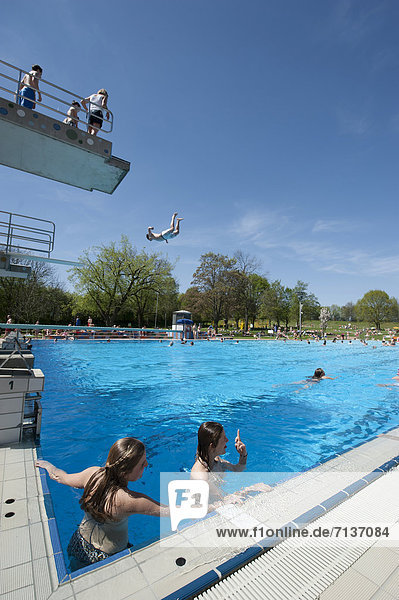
x: 72, y: 118
x: 97, y: 102
x: 29, y: 86
x: 166, y: 235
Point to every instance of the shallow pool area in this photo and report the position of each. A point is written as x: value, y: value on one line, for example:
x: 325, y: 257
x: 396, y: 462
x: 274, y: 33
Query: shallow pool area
x: 97, y: 392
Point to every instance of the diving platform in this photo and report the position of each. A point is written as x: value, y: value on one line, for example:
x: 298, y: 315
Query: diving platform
x: 24, y: 238
x: 42, y: 144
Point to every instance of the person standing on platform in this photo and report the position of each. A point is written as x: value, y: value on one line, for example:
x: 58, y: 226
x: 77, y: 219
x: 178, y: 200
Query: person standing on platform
x: 29, y: 86
x: 97, y: 103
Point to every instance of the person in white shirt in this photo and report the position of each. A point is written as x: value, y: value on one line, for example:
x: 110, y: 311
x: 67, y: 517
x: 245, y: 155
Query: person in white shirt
x: 97, y: 102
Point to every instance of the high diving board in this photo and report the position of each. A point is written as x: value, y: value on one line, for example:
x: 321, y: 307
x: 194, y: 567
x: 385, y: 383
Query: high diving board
x: 26, y: 238
x: 39, y: 144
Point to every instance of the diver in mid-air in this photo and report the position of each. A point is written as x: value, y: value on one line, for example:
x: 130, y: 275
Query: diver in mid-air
x: 168, y: 234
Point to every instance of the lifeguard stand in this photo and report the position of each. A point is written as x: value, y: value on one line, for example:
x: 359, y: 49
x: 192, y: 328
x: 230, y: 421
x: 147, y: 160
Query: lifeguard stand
x: 182, y: 325
x: 37, y: 141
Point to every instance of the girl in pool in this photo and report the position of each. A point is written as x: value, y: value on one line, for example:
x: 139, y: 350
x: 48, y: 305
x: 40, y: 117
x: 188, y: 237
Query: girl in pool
x: 212, y: 443
x: 107, y: 502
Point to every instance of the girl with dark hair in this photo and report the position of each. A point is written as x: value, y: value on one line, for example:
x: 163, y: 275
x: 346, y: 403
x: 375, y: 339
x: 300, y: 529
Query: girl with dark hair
x: 107, y: 501
x: 212, y: 443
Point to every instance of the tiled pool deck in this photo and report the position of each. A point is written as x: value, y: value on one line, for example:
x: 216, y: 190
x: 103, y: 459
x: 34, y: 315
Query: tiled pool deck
x: 32, y: 565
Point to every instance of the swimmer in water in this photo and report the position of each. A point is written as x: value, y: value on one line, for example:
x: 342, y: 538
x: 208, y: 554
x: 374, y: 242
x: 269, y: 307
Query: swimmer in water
x: 317, y: 376
x: 320, y: 374
x: 394, y: 384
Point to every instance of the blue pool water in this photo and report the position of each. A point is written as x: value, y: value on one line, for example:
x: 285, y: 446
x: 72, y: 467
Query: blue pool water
x: 97, y: 392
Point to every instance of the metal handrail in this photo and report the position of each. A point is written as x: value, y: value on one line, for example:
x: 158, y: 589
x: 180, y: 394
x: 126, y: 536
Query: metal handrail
x: 16, y: 95
x: 14, y: 231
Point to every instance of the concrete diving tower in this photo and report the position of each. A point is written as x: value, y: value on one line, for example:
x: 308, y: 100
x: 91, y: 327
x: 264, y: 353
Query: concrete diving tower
x: 39, y: 144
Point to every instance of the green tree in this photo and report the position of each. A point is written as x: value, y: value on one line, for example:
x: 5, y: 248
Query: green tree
x: 248, y: 288
x: 276, y: 303
x: 213, y: 280
x: 348, y: 312
x: 38, y: 298
x: 375, y: 307
x: 112, y: 276
x: 310, y: 304
x: 258, y: 285
x: 193, y: 300
x: 336, y: 312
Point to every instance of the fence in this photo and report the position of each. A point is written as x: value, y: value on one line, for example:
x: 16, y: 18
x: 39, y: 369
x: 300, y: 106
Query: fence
x: 12, y: 76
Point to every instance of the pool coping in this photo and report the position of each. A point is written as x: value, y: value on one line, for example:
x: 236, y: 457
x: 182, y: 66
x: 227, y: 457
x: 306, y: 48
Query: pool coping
x: 219, y: 570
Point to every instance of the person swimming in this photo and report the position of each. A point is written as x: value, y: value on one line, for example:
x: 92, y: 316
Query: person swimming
x: 394, y: 384
x: 317, y: 376
x: 320, y: 374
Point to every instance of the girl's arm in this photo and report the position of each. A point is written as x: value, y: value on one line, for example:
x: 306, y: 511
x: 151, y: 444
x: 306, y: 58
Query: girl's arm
x: 77, y: 480
x: 240, y: 466
x: 135, y: 503
x: 242, y: 461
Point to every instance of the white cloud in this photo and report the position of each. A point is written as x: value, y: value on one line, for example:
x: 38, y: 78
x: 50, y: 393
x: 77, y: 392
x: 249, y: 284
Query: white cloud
x: 353, y: 21
x: 283, y: 235
x: 334, y: 225
x: 353, y: 122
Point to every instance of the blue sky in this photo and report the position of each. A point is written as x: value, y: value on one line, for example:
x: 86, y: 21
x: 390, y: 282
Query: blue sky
x: 270, y: 126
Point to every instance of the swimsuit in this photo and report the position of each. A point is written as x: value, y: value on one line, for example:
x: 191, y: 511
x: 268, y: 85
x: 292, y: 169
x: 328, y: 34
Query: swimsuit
x: 94, y: 541
x: 28, y: 95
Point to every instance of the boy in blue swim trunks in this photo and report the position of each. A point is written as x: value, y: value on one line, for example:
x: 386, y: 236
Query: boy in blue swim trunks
x: 29, y: 86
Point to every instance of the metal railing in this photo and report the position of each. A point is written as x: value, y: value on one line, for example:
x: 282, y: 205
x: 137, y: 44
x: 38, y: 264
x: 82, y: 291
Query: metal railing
x: 15, y: 77
x: 17, y: 230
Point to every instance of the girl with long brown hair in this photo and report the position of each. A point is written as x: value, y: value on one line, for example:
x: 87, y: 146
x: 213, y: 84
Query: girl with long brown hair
x: 212, y: 443
x: 107, y: 501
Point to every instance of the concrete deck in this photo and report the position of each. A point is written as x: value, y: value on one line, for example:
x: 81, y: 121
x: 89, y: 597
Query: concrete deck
x: 32, y: 564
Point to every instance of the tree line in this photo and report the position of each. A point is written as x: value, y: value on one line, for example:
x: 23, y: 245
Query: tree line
x: 118, y: 285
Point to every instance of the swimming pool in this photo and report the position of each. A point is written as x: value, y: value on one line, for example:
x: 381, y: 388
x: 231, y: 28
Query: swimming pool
x: 97, y: 392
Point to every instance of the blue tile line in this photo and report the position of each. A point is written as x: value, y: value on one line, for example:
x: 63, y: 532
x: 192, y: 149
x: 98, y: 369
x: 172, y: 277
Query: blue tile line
x: 263, y: 545
x: 237, y: 562
x: 101, y: 563
x: 62, y: 572
x: 55, y: 538
x: 195, y: 587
